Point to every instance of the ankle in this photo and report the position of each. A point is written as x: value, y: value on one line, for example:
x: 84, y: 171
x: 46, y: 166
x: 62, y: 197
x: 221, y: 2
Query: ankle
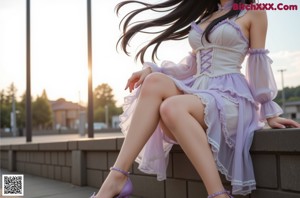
x: 120, y: 171
x: 112, y: 185
x: 220, y: 194
x: 118, y: 174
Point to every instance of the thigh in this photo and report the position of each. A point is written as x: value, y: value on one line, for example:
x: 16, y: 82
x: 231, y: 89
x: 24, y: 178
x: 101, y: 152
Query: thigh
x: 168, y: 135
x: 179, y: 104
x: 191, y: 104
x: 159, y: 84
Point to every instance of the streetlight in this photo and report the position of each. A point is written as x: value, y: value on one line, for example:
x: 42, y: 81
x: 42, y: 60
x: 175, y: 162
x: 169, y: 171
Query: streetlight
x: 28, y: 76
x: 90, y: 79
x: 283, y: 93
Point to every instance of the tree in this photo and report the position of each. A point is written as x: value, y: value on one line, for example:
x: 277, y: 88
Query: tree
x: 99, y: 114
x: 291, y: 94
x: 6, y: 98
x: 5, y: 110
x: 2, y: 96
x: 41, y: 112
x: 10, y: 93
x: 6, y: 107
x: 103, y: 96
x: 21, y: 108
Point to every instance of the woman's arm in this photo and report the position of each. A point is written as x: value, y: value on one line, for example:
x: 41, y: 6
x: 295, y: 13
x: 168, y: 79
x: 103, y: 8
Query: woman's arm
x: 260, y: 75
x: 258, y: 28
x: 182, y: 70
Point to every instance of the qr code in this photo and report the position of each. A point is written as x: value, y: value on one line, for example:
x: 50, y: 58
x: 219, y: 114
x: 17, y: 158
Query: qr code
x: 12, y: 185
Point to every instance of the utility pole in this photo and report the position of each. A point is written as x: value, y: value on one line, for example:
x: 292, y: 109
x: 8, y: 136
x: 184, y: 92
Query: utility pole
x: 28, y: 76
x: 90, y: 79
x: 283, y: 93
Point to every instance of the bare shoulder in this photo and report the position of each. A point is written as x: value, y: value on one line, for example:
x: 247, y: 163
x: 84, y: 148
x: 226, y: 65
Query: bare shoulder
x: 257, y: 16
x: 258, y: 13
x: 258, y: 28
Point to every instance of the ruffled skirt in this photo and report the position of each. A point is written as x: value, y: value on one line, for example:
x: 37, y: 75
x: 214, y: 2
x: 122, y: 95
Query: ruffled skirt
x: 231, y: 116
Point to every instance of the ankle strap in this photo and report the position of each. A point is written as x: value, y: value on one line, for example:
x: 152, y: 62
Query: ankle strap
x: 121, y: 171
x: 220, y: 193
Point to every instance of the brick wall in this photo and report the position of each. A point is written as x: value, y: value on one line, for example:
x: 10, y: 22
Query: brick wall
x: 275, y: 153
x: 276, y: 160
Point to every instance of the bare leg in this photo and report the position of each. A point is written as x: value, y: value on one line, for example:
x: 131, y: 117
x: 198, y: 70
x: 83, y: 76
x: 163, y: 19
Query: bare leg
x: 186, y: 123
x: 155, y: 89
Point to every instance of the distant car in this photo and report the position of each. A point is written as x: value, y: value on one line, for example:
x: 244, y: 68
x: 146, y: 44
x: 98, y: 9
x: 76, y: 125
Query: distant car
x: 7, y: 130
x: 99, y: 125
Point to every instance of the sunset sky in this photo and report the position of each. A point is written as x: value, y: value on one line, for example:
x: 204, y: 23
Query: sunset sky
x: 59, y: 47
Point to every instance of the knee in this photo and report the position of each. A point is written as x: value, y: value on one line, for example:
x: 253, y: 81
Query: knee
x: 152, y: 84
x: 169, y: 111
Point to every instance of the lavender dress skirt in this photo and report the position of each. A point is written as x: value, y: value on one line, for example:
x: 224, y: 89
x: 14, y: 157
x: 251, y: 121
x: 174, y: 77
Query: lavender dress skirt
x: 235, y: 104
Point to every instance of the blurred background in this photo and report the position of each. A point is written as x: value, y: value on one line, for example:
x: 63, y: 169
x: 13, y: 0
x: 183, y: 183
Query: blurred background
x: 59, y: 71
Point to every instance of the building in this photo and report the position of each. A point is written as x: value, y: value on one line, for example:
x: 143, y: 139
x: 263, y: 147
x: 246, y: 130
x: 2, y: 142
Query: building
x: 292, y: 110
x: 66, y: 114
x: 115, y: 121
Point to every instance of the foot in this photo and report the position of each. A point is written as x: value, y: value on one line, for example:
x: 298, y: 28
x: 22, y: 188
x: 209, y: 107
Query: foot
x: 112, y: 185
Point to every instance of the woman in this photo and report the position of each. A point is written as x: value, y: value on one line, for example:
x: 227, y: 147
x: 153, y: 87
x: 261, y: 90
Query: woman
x: 204, y: 103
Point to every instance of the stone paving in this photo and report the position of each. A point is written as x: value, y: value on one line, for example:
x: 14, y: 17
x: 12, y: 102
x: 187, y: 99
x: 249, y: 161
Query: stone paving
x: 40, y: 187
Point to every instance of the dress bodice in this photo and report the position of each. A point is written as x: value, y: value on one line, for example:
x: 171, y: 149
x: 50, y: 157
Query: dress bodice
x: 233, y: 103
x: 224, y: 53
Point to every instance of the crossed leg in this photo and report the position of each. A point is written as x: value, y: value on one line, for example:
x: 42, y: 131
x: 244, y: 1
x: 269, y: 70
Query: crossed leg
x: 154, y: 104
x: 155, y: 89
x: 185, y: 124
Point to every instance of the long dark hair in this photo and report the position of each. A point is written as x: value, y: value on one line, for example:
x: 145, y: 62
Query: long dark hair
x: 176, y: 21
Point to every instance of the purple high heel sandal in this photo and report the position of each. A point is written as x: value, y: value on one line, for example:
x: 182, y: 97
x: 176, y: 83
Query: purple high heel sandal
x: 127, y: 188
x: 220, y: 193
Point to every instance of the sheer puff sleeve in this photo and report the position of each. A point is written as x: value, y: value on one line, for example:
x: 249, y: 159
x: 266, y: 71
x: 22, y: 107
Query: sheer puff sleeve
x: 262, y: 83
x: 182, y: 70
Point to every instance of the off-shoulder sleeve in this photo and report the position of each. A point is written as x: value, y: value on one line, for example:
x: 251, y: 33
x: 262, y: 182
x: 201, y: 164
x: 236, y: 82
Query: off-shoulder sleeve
x: 262, y: 83
x: 182, y: 70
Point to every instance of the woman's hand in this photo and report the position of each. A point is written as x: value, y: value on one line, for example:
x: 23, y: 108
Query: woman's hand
x: 281, y: 123
x: 137, y: 78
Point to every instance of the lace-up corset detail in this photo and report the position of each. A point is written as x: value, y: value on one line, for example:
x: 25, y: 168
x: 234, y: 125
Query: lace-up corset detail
x: 206, y: 60
x: 217, y: 61
x: 225, y: 52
